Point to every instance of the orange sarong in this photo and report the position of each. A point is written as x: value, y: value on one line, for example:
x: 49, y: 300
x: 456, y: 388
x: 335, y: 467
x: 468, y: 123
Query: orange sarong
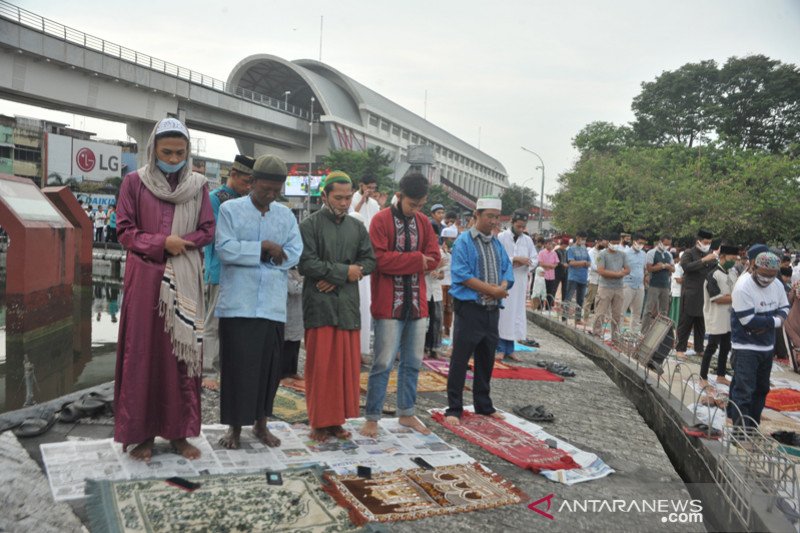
x: 333, y: 366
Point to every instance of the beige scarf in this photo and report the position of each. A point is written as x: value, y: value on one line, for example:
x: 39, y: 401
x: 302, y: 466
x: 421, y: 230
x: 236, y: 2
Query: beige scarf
x: 181, y: 294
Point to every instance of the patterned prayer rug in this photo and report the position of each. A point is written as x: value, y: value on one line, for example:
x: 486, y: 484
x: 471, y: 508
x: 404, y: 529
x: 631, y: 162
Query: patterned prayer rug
x: 426, y: 382
x: 441, y: 366
x: 783, y: 400
x: 508, y: 442
x: 290, y: 406
x: 504, y: 371
x: 222, y: 503
x: 420, y: 493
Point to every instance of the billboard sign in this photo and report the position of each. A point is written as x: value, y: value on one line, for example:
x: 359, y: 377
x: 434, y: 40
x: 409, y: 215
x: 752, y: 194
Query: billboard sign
x: 82, y: 160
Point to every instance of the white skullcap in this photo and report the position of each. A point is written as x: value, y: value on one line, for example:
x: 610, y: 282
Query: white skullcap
x: 450, y: 232
x: 171, y: 124
x: 489, y: 202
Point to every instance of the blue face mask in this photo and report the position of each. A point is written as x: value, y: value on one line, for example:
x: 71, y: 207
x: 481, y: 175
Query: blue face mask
x: 166, y: 168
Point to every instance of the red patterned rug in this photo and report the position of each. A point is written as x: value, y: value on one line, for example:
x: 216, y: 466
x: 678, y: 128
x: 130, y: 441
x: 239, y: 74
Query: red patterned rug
x: 784, y: 400
x: 504, y: 371
x: 509, y: 442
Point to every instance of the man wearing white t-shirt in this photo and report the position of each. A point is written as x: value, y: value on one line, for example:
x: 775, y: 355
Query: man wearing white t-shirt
x: 100, y: 223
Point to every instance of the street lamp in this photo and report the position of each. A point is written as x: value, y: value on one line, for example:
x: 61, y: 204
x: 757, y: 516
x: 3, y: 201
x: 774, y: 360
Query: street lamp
x: 310, y: 155
x: 522, y: 192
x: 541, y: 197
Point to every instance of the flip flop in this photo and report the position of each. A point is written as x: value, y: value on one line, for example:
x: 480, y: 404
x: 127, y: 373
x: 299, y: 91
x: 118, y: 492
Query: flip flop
x: 534, y: 413
x: 702, y: 431
x: 33, y: 427
x: 92, y: 404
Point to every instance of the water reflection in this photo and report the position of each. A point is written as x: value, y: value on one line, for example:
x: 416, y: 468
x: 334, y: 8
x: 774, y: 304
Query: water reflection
x: 72, y: 354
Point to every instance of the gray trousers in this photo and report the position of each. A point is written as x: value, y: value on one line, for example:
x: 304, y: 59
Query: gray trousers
x: 657, y: 303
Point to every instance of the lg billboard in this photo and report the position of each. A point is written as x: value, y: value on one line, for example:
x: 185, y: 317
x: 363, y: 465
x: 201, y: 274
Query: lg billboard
x: 82, y: 160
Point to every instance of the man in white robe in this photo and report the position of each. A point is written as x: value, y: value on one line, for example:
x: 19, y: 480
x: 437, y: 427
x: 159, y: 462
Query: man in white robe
x: 524, y: 258
x: 364, y: 207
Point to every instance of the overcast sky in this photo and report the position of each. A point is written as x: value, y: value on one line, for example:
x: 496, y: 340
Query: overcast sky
x: 526, y: 73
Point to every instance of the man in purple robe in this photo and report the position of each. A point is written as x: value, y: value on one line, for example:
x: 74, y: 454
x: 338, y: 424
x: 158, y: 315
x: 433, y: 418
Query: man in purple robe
x: 164, y: 217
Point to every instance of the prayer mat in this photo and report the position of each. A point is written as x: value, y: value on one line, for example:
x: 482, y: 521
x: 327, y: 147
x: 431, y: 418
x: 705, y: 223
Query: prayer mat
x: 441, y: 366
x: 504, y: 371
x: 420, y: 493
x: 783, y: 400
x: 222, y: 503
x: 290, y: 406
x: 295, y: 384
x: 426, y: 382
x: 508, y: 442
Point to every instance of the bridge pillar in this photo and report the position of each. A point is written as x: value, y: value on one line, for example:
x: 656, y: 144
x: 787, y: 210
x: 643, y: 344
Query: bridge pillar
x: 140, y: 131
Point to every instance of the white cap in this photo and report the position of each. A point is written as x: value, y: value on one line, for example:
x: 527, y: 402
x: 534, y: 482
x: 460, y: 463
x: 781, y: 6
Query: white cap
x: 171, y: 124
x: 450, y: 232
x: 489, y: 202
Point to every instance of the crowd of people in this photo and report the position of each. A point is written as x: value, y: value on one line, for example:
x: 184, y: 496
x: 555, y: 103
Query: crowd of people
x: 104, y: 222
x: 237, y: 281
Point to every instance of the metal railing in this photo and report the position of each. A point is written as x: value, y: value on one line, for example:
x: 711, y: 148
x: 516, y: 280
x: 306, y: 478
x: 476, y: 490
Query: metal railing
x: 49, y: 27
x: 750, y: 461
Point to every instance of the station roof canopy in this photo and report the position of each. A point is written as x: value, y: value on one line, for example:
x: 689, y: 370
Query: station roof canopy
x: 340, y: 97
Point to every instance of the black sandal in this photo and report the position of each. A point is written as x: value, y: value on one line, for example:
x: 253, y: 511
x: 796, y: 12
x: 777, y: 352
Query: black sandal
x: 534, y: 413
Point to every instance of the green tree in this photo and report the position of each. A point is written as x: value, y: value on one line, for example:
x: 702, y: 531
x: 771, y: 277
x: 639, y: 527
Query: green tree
x: 357, y: 163
x: 602, y: 136
x: 678, y: 106
x: 742, y: 196
x: 438, y: 195
x: 517, y: 197
x: 760, y: 104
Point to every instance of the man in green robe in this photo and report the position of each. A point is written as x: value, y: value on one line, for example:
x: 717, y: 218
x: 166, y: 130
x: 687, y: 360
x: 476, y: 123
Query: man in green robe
x: 337, y: 253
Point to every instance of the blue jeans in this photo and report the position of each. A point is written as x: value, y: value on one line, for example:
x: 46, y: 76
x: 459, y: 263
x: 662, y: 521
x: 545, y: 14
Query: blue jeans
x: 506, y: 346
x: 579, y: 290
x: 750, y: 386
x: 391, y: 336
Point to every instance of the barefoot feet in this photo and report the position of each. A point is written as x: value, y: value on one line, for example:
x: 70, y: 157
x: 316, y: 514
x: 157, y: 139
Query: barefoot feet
x: 231, y: 439
x: 414, y: 423
x: 452, y: 420
x: 142, y: 452
x: 370, y: 429
x: 183, y: 447
x: 498, y: 415
x: 264, y: 435
x: 319, y: 434
x: 339, y: 432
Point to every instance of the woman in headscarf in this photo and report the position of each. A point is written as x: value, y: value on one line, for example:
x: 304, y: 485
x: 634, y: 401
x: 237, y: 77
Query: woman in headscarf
x: 164, y: 217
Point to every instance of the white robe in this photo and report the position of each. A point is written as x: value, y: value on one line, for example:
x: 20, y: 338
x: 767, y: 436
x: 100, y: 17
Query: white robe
x: 513, y: 319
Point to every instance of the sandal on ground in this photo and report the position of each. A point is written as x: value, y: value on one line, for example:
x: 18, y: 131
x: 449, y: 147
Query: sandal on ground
x: 534, y: 413
x: 33, y: 427
x: 88, y: 405
x: 702, y: 431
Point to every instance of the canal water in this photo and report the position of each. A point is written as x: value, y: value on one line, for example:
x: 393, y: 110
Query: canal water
x: 68, y: 356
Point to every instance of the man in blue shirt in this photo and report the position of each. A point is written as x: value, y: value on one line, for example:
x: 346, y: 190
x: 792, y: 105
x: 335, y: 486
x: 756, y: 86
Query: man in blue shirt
x: 577, y: 276
x: 239, y: 179
x: 481, y: 274
x: 633, y: 292
x: 258, y: 241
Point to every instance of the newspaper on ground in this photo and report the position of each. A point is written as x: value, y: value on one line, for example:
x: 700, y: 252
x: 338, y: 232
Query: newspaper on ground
x: 69, y: 464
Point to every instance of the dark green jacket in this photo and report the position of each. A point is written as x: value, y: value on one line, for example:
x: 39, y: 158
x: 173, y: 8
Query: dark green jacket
x: 329, y: 248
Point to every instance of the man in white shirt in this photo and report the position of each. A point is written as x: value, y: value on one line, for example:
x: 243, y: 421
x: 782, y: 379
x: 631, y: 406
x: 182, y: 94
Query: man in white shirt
x: 366, y: 206
x: 364, y: 201
x: 99, y: 223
